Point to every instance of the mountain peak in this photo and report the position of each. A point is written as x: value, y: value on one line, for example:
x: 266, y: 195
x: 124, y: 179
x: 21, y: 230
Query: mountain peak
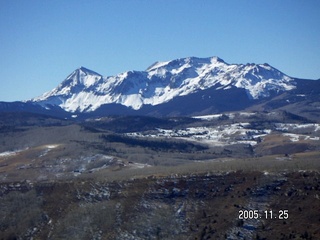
x: 86, y: 71
x: 86, y: 90
x: 187, y: 60
x: 217, y: 59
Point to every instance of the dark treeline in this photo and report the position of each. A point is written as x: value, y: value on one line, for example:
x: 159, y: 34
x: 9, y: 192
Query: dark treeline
x: 154, y: 144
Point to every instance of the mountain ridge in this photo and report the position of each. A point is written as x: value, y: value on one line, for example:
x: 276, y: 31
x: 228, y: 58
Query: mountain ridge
x: 180, y: 87
x: 85, y: 90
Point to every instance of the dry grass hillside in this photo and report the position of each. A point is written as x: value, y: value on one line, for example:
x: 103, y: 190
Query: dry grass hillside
x: 224, y: 176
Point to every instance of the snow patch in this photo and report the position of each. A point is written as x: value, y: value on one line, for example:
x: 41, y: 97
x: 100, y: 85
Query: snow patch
x: 11, y: 153
x: 295, y: 126
x: 297, y: 137
x: 8, y: 153
x: 139, y: 165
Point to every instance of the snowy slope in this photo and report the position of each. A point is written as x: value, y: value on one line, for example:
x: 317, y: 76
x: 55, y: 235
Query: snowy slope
x: 85, y: 90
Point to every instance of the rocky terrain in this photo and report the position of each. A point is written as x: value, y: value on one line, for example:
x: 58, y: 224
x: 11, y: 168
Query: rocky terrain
x: 139, y: 177
x: 177, y: 206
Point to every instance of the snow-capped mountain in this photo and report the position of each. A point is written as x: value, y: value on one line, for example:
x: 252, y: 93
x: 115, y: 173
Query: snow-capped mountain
x: 85, y: 90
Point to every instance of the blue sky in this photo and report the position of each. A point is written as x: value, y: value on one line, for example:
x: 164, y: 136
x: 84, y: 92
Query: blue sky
x: 42, y: 41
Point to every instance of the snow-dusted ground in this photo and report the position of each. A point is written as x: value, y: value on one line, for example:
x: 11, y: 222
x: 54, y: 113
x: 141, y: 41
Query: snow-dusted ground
x: 48, y: 148
x: 8, y: 153
x: 229, y: 115
x: 214, y: 116
x: 298, y: 132
x: 237, y: 133
x: 297, y: 137
x: 294, y: 126
x: 138, y: 165
x: 218, y: 136
x: 11, y: 153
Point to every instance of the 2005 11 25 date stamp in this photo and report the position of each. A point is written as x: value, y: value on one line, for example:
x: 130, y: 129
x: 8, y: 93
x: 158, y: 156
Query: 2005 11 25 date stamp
x: 266, y: 214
